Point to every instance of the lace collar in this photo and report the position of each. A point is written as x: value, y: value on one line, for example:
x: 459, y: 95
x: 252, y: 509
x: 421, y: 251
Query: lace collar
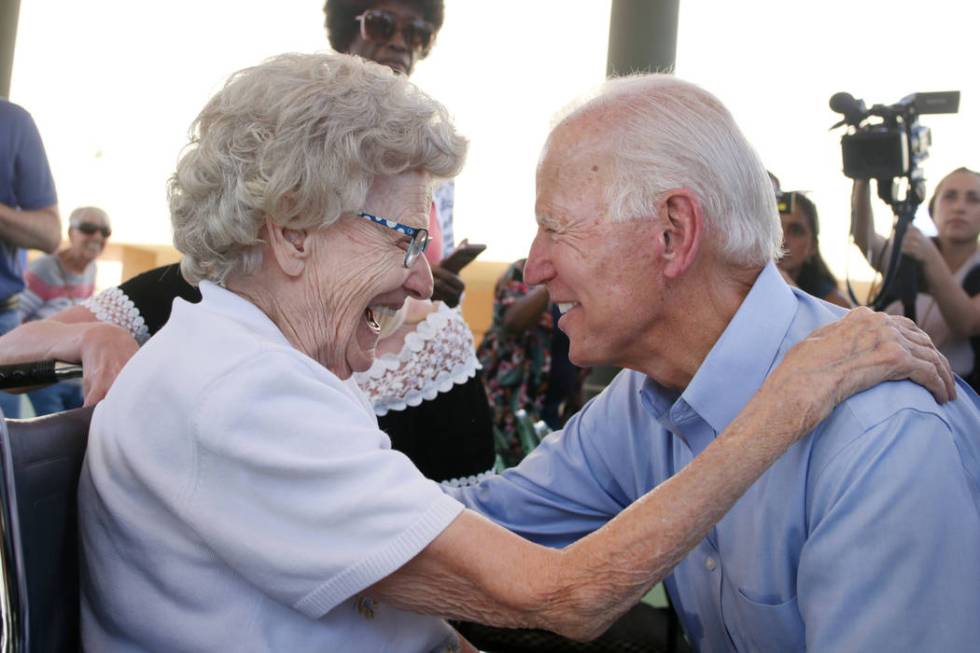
x: 437, y: 355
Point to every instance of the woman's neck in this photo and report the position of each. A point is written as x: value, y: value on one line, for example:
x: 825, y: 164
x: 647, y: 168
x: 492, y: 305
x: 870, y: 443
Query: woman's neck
x: 72, y: 262
x: 955, y: 254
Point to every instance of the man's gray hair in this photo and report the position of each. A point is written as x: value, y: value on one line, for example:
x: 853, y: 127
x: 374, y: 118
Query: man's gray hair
x: 664, y: 133
x: 298, y: 139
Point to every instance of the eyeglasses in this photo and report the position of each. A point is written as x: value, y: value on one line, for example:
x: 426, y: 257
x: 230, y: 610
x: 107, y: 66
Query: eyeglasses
x: 420, y: 237
x: 379, y: 25
x: 89, y: 228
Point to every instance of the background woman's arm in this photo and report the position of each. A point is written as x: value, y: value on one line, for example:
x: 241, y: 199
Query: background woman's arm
x: 862, y: 224
x: 960, y: 311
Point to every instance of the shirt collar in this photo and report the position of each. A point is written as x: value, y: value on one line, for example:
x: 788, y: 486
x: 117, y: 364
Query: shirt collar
x: 220, y: 300
x: 738, y: 362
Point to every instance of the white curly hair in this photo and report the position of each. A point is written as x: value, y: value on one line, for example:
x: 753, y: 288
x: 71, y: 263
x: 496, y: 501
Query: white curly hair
x: 297, y: 139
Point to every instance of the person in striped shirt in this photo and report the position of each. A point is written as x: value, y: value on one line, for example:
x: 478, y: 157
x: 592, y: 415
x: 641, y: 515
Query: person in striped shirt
x: 58, y: 281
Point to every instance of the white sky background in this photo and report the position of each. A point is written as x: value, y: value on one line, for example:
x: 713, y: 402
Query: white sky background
x: 114, y: 85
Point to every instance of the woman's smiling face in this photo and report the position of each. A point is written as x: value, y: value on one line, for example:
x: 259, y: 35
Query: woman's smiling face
x: 357, y: 275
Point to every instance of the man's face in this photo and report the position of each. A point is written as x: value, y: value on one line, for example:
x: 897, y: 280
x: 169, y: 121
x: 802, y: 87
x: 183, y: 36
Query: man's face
x: 603, y: 275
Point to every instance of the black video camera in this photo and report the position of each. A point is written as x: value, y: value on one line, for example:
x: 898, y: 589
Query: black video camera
x: 895, y: 145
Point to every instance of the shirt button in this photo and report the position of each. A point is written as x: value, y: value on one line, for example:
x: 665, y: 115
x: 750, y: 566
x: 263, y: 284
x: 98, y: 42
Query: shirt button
x: 710, y: 563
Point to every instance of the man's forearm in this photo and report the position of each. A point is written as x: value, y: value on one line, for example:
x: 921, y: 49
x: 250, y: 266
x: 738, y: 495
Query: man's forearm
x: 38, y: 229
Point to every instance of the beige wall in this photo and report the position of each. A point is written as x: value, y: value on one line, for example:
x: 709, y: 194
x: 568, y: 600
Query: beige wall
x: 480, y: 278
x: 139, y: 258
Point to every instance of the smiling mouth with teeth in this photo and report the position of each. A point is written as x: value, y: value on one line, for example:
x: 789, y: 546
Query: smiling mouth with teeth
x: 372, y: 323
x: 564, y: 307
x: 377, y: 316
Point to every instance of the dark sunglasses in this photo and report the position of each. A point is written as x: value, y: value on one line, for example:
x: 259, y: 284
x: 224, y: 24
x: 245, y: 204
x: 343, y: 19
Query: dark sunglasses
x: 89, y: 228
x: 379, y: 25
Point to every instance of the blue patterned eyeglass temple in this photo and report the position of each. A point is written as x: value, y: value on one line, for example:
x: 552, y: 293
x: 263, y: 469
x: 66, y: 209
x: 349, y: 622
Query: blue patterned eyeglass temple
x: 420, y: 237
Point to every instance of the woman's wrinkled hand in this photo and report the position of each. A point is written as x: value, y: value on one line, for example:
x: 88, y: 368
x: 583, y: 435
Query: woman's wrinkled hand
x: 105, y: 349
x: 853, y: 354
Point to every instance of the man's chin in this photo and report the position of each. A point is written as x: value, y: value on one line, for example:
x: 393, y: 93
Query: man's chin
x: 577, y: 358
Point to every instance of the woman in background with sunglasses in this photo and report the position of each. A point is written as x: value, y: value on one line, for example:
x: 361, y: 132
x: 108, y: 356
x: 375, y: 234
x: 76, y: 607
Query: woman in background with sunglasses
x: 394, y: 33
x: 58, y: 281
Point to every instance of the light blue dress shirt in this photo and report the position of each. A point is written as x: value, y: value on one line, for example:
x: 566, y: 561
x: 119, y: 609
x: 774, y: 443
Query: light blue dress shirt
x: 864, y: 536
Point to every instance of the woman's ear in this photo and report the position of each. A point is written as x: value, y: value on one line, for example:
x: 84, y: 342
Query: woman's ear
x: 683, y: 229
x: 290, y: 247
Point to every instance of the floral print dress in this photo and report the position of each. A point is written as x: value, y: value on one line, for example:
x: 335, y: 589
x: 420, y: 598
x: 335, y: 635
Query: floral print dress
x: 517, y: 369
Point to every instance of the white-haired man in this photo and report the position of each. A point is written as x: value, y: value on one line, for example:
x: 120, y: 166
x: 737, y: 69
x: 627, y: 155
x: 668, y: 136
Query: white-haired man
x: 657, y: 232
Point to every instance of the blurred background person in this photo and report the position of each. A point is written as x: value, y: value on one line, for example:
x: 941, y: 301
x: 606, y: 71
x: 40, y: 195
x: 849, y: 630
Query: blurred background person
x: 28, y: 214
x: 802, y: 264
x: 947, y: 266
x: 58, y: 281
x: 525, y: 362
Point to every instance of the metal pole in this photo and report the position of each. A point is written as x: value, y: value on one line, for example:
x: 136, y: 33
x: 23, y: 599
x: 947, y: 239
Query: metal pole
x: 642, y: 36
x: 9, y: 12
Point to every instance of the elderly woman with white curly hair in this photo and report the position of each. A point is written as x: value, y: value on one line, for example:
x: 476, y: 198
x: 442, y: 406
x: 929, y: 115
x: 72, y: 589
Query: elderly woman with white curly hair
x: 237, y: 493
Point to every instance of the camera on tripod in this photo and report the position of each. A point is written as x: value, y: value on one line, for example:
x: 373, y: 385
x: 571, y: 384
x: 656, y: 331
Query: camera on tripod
x: 895, y: 145
x: 887, y: 143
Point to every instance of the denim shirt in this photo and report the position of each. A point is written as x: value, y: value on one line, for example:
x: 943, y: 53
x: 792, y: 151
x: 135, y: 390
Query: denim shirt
x: 864, y: 536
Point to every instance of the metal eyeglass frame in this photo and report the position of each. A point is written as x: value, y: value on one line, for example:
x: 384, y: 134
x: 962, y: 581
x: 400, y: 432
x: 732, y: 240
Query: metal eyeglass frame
x: 420, y: 237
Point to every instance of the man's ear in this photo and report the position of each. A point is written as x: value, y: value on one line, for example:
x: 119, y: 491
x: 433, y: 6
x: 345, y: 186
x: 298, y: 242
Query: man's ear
x: 683, y: 230
x: 290, y: 247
